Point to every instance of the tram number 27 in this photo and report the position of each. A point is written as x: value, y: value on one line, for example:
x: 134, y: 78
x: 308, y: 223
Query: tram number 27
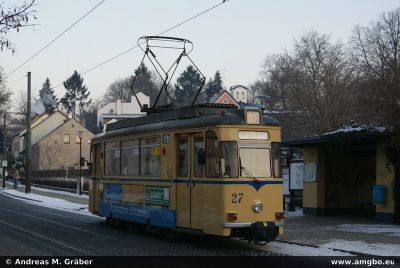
x: 237, y: 197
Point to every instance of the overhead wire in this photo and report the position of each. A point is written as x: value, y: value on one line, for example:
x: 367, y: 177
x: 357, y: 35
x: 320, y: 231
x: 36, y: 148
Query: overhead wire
x: 136, y: 46
x: 161, y: 33
x: 52, y: 41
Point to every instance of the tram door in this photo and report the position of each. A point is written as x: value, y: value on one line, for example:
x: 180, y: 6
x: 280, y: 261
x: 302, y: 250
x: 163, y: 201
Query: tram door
x: 190, y: 171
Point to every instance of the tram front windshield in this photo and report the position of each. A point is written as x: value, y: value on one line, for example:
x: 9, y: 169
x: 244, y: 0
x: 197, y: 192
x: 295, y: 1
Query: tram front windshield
x: 254, y: 162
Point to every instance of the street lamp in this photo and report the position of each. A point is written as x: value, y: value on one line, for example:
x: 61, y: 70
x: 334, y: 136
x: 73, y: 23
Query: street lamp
x: 80, y: 133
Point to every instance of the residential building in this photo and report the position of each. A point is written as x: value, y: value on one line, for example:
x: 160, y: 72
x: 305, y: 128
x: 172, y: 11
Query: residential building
x: 239, y: 92
x: 224, y: 98
x: 120, y: 110
x: 60, y: 149
x: 55, y: 142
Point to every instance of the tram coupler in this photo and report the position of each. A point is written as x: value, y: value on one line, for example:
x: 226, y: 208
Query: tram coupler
x: 263, y: 232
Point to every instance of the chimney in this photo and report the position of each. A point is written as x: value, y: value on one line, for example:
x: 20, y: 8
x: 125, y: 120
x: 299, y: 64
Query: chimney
x: 119, y: 106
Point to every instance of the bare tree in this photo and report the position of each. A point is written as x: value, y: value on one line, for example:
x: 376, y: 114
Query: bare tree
x: 21, y: 107
x: 49, y: 154
x: 5, y: 94
x: 271, y: 89
x: 310, y: 88
x: 120, y: 89
x: 376, y: 50
x: 321, y: 83
x: 14, y: 18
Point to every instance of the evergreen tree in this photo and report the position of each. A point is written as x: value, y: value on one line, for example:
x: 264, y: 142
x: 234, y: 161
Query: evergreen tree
x: 144, y: 83
x: 77, y: 95
x: 187, y: 85
x: 213, y: 87
x: 47, y: 97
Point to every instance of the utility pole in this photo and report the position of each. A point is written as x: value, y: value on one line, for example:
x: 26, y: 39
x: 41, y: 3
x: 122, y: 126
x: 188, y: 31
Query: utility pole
x: 80, y: 133
x: 28, y: 139
x: 4, y: 150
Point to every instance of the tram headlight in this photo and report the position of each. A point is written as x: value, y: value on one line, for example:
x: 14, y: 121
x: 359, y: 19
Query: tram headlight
x: 258, y: 206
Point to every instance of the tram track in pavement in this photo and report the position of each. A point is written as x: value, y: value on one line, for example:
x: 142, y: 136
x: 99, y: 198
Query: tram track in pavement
x: 77, y: 230
x: 48, y: 239
x: 69, y: 233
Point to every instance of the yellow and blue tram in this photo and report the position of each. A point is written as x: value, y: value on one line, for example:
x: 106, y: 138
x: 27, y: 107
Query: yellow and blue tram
x: 214, y: 169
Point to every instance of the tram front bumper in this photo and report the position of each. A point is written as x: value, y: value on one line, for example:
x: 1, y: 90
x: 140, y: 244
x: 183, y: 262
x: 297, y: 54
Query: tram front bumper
x: 257, y: 232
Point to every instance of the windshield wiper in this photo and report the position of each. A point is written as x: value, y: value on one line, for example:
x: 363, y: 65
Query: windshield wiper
x: 246, y: 172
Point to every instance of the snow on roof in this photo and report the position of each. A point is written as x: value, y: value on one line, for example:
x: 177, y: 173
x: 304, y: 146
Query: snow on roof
x: 357, y: 129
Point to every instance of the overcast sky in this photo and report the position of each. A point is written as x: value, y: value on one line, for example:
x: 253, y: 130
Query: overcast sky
x: 233, y: 38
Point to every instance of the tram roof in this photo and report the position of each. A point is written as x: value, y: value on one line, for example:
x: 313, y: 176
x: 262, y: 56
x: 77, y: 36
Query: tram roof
x: 191, y: 117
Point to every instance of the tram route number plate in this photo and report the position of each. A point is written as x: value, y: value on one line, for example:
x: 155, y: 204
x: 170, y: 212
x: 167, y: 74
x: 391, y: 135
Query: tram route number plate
x: 166, y: 139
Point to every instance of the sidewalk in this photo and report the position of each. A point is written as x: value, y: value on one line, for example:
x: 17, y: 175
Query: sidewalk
x: 356, y: 234
x: 69, y: 197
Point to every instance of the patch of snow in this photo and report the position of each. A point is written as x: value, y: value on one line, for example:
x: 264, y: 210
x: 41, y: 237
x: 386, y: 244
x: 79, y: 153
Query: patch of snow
x: 85, y: 196
x: 386, y: 229
x: 297, y: 250
x: 294, y: 214
x: 351, y: 129
x: 359, y: 246
x: 50, y: 202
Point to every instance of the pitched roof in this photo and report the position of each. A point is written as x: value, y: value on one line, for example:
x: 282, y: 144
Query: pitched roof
x: 223, y: 92
x: 60, y: 126
x: 41, y: 118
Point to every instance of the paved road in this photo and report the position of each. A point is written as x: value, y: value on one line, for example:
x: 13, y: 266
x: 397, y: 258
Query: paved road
x: 27, y: 229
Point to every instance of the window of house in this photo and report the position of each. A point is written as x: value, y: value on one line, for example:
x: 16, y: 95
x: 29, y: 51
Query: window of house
x: 150, y: 156
x: 242, y: 95
x: 225, y: 101
x: 77, y: 140
x: 66, y: 139
x: 130, y: 157
x: 113, y: 156
x: 237, y: 95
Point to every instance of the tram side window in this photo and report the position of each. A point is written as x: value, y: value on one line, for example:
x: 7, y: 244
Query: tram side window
x: 199, y: 155
x: 229, y: 159
x: 150, y: 156
x: 212, y: 158
x: 112, y: 158
x: 100, y: 171
x: 183, y: 154
x: 130, y: 158
x: 276, y: 159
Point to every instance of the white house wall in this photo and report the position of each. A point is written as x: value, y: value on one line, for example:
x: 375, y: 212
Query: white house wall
x: 123, y: 108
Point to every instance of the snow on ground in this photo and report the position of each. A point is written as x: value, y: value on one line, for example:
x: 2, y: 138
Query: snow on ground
x: 47, y: 201
x: 52, y: 191
x: 297, y: 250
x: 385, y: 229
x: 359, y: 246
x: 57, y: 191
x: 294, y: 214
